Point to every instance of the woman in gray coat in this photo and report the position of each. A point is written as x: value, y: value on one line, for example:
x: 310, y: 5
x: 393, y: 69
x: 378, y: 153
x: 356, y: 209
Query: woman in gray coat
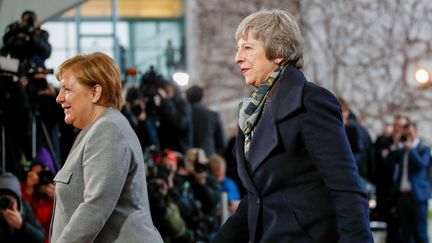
x: 101, y: 191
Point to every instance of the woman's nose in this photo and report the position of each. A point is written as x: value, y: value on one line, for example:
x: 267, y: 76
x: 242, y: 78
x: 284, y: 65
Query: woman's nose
x: 239, y: 56
x: 60, y: 97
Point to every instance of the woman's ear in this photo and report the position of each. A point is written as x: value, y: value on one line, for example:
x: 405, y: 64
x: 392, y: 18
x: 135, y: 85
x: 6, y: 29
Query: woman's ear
x: 96, y: 93
x: 278, y: 61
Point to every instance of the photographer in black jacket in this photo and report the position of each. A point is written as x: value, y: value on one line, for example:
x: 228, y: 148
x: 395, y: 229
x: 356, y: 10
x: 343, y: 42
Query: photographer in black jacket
x: 17, y: 220
x: 26, y: 41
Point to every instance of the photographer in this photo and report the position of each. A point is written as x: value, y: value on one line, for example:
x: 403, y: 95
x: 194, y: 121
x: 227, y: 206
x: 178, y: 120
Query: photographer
x: 206, y: 192
x: 17, y: 221
x: 49, y: 118
x: 175, y: 130
x: 169, y: 110
x: 43, y: 199
x: 136, y: 112
x: 165, y: 212
x: 26, y: 41
x: 411, y: 186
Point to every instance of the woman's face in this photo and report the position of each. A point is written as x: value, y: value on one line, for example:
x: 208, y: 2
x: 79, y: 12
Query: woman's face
x: 252, y: 60
x: 76, y: 101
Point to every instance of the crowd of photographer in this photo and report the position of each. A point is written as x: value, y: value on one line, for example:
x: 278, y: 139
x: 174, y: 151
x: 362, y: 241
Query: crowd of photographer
x: 184, y: 189
x: 29, y: 116
x: 398, y: 166
x: 34, y: 136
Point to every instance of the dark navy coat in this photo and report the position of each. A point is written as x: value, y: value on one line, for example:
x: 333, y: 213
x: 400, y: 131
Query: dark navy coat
x: 300, y: 175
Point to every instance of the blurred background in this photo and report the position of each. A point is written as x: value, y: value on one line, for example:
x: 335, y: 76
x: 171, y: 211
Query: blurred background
x: 375, y: 55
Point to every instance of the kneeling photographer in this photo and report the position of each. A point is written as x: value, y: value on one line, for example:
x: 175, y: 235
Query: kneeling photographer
x: 26, y: 41
x: 17, y: 220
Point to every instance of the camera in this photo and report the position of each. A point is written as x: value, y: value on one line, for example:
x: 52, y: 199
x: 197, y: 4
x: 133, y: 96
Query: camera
x: 406, y: 133
x: 5, y: 202
x: 150, y: 84
x: 136, y: 109
x: 199, y: 167
x: 30, y: 24
x: 45, y: 177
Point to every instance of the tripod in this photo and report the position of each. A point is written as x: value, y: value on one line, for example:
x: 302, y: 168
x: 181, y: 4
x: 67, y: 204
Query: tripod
x: 35, y: 118
x: 3, y: 146
x: 8, y: 153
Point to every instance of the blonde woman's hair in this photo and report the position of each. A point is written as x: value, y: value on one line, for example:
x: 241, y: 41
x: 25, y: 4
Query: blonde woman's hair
x: 92, y: 69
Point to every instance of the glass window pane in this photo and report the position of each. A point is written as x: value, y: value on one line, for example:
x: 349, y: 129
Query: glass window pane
x: 95, y: 28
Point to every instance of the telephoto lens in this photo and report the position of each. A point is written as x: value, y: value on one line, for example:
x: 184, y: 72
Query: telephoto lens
x: 5, y: 203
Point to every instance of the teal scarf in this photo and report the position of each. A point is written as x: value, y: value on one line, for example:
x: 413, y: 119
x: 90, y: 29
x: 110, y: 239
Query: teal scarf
x: 249, y: 110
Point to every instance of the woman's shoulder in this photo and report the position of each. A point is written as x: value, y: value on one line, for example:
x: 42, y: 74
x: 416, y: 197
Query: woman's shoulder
x: 111, y: 123
x: 313, y: 89
x: 112, y: 118
x: 316, y: 93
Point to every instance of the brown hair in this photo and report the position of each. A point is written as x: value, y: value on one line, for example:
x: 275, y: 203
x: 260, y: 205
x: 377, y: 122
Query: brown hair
x: 92, y: 69
x: 344, y: 104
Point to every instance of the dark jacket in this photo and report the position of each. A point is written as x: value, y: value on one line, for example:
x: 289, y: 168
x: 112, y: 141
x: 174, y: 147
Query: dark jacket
x: 300, y: 175
x: 175, y: 130
x: 16, y: 44
x: 207, y: 130
x: 31, y: 230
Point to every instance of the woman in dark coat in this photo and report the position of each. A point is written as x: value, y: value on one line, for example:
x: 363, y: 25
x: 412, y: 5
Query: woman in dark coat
x: 292, y: 152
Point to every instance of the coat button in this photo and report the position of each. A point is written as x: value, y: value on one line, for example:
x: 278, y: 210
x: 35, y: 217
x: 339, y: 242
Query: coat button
x: 258, y: 201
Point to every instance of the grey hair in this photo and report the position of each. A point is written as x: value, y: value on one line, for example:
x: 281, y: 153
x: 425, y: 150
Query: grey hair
x: 279, y: 33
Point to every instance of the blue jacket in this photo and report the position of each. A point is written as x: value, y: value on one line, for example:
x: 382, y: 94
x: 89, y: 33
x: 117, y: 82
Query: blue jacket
x: 418, y: 170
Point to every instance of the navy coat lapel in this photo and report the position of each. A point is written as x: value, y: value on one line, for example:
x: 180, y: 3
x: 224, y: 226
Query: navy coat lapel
x: 243, y: 170
x: 286, y: 101
x: 264, y: 140
x: 288, y: 97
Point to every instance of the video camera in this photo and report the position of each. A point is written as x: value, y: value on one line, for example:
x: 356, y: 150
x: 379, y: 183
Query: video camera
x: 26, y: 28
x: 15, y: 67
x: 8, y: 69
x: 29, y: 28
x: 10, y: 89
x: 10, y: 65
x: 198, y: 166
x: 405, y: 134
x: 150, y: 84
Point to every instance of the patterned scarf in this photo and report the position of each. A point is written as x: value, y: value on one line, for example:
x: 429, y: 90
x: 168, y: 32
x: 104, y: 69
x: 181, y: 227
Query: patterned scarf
x: 249, y: 110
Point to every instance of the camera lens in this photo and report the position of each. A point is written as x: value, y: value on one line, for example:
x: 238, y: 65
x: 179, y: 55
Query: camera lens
x: 5, y: 203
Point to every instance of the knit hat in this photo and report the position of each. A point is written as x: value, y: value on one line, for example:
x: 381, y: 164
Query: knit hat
x: 167, y: 154
x: 9, y: 182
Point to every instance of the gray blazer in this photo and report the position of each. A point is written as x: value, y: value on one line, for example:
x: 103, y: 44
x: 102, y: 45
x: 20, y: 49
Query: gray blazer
x: 101, y: 191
